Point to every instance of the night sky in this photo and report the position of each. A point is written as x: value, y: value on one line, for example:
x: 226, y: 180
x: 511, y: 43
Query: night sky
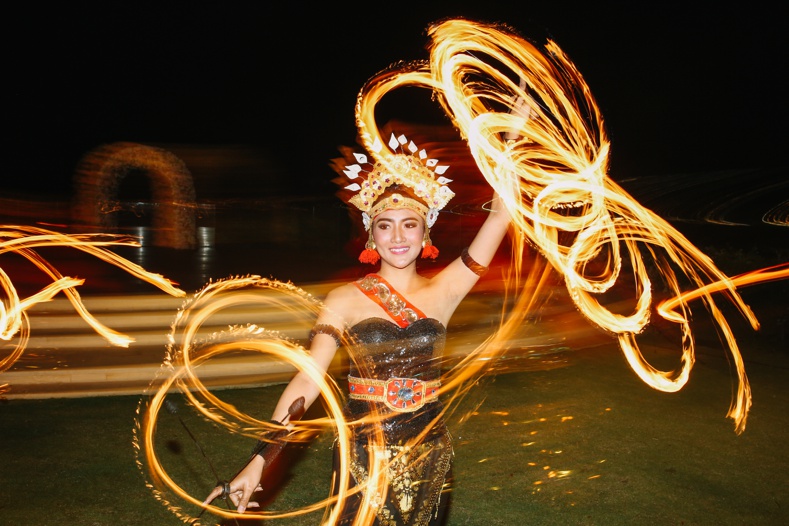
x: 687, y: 88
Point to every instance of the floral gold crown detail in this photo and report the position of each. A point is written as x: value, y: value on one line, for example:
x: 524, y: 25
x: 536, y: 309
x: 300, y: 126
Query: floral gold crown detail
x: 413, y: 170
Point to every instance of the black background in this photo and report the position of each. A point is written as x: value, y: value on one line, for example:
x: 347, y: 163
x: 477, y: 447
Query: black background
x: 688, y: 87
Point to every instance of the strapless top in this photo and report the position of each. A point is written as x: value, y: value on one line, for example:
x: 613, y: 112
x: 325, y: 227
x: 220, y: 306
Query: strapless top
x: 384, y: 350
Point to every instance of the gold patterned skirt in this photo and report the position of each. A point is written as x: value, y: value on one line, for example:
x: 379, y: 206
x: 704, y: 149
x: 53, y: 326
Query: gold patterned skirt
x: 413, y: 484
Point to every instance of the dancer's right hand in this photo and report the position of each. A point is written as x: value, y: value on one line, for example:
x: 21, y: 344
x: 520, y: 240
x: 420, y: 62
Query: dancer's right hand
x: 241, y: 488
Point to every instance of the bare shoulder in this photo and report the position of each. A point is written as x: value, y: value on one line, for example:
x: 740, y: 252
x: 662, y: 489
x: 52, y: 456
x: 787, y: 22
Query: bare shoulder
x: 341, y: 293
x: 340, y: 302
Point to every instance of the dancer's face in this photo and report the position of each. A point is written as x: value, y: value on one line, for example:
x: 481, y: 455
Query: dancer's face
x: 398, y: 236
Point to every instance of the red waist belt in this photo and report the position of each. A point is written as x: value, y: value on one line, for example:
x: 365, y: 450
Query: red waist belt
x: 399, y: 394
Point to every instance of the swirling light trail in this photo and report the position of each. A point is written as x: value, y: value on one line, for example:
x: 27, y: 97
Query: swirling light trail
x: 553, y: 181
x: 23, y: 240
x: 180, y: 373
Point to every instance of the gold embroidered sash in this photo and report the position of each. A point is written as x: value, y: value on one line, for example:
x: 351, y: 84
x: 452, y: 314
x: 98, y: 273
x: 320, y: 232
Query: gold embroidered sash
x: 399, y: 309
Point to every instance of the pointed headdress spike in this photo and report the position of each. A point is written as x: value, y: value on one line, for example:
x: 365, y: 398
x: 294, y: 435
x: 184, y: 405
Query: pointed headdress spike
x: 413, y: 170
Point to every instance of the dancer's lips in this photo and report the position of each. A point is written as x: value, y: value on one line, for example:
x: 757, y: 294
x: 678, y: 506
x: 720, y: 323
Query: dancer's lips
x: 399, y: 250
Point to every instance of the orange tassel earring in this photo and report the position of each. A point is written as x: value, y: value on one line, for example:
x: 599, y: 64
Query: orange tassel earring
x: 369, y: 254
x: 428, y: 250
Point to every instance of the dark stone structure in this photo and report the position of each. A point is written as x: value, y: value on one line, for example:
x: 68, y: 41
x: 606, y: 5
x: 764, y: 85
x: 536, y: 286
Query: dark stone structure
x: 97, y: 181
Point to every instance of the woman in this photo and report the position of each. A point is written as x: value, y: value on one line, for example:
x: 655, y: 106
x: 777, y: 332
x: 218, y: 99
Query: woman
x: 396, y: 320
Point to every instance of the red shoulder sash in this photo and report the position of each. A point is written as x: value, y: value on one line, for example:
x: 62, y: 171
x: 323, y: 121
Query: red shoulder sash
x: 380, y: 291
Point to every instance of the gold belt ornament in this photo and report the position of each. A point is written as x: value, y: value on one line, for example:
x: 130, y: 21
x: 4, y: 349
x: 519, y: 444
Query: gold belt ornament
x: 398, y: 394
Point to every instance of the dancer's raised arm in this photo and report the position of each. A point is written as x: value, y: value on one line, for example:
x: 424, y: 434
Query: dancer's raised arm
x: 460, y: 276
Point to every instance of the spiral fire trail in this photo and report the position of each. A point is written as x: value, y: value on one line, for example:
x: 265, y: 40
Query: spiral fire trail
x: 187, y: 350
x: 553, y: 180
x: 538, y: 138
x: 23, y: 241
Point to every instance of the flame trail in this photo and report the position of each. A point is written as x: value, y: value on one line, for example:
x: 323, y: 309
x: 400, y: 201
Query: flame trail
x: 553, y: 180
x: 23, y: 240
x: 187, y: 350
x: 538, y: 137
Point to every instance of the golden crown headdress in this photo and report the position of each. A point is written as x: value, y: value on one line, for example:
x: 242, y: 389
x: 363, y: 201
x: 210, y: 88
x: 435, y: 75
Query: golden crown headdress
x: 413, y: 170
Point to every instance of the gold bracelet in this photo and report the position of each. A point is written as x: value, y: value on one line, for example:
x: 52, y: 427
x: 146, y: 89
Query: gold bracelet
x: 472, y: 265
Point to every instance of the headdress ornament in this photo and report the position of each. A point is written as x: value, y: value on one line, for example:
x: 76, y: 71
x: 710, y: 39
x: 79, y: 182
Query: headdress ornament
x: 407, y: 166
x: 413, y: 170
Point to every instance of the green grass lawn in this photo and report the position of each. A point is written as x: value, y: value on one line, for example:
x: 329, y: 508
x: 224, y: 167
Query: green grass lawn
x: 587, y: 443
